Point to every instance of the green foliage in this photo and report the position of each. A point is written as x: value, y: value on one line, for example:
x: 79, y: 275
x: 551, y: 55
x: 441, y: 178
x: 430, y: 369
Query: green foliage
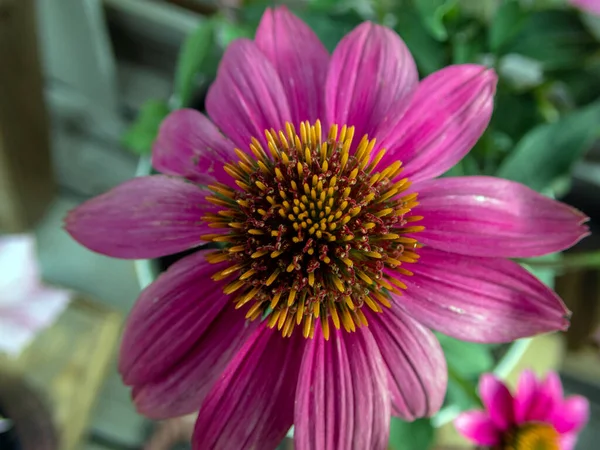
x: 466, y: 362
x: 141, y: 135
x: 417, y: 435
x: 549, y: 151
x: 556, y: 38
x: 194, y: 54
x: 507, y: 22
x: 433, y: 13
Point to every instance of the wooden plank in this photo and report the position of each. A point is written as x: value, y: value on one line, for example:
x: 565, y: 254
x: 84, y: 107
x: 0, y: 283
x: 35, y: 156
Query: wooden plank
x: 26, y: 185
x: 68, y: 363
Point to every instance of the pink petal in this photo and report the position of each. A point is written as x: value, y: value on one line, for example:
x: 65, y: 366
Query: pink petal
x: 497, y: 400
x: 479, y: 299
x: 486, y: 216
x: 252, y: 406
x: 589, y: 6
x: 183, y: 387
x: 478, y: 428
x: 342, y: 401
x: 415, y: 362
x: 145, y: 217
x: 247, y: 97
x: 553, y: 387
x: 190, y: 146
x: 448, y: 113
x: 571, y: 414
x: 527, y: 389
x: 371, y: 79
x: 568, y: 441
x: 542, y: 407
x: 302, y: 68
x: 170, y: 317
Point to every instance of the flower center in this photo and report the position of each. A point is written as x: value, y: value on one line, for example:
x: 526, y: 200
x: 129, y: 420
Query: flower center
x: 313, y: 233
x: 533, y: 436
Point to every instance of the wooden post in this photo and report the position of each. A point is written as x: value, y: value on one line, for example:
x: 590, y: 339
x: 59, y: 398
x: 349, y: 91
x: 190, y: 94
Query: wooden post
x: 26, y: 182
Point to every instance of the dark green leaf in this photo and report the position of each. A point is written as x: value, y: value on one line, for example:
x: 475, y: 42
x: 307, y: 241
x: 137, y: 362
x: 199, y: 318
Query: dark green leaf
x: 514, y: 114
x: 467, y: 45
x: 549, y: 151
x: 557, y: 39
x: 194, y: 53
x: 141, y: 134
x: 432, y: 13
x: 506, y: 24
x: 417, y: 435
x: 430, y: 55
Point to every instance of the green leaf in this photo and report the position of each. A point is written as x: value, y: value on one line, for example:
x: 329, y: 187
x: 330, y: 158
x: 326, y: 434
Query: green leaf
x: 467, y: 45
x: 545, y: 274
x: 556, y: 38
x: 507, y: 22
x: 193, y: 54
x: 432, y: 14
x: 430, y: 55
x: 417, y: 435
x: 467, y: 359
x: 141, y: 134
x: 549, y: 151
x: 514, y: 114
x: 330, y: 28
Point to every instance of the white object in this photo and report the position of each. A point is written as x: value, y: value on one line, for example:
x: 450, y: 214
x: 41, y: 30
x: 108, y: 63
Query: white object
x: 26, y: 305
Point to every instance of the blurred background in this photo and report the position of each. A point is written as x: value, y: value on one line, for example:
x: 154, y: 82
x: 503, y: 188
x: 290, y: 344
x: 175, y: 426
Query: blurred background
x: 84, y: 85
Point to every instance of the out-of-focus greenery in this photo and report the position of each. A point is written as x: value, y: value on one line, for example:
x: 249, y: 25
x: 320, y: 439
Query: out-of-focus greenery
x: 547, y: 107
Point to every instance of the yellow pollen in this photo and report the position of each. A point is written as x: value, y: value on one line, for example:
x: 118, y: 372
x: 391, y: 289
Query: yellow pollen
x: 313, y: 230
x: 532, y: 436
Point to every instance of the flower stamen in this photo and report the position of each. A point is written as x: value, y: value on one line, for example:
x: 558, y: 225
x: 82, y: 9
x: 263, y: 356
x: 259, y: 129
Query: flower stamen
x: 313, y: 233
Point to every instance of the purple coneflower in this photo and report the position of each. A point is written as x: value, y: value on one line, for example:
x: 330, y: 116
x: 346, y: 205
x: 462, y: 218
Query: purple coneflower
x: 338, y: 247
x: 537, y: 417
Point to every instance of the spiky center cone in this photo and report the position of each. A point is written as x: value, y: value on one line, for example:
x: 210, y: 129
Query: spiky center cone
x: 314, y: 233
x: 532, y: 436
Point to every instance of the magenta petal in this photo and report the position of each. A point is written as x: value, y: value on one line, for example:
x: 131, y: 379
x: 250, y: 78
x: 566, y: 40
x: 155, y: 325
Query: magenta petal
x: 252, y: 406
x: 448, y: 113
x: 553, y: 387
x: 183, y: 387
x: 415, y: 362
x: 247, y: 97
x: 527, y: 389
x: 145, y: 217
x: 568, y: 441
x: 571, y: 414
x: 190, y: 146
x: 479, y: 299
x: 302, y: 68
x: 169, y: 318
x: 342, y: 401
x: 371, y: 79
x: 498, y: 401
x: 478, y: 428
x: 487, y: 216
x: 542, y: 407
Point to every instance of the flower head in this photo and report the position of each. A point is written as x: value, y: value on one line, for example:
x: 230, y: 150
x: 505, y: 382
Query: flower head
x: 333, y: 249
x: 536, y: 417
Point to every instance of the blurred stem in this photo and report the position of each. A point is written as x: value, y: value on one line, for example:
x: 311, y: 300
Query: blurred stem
x: 568, y: 262
x: 465, y: 385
